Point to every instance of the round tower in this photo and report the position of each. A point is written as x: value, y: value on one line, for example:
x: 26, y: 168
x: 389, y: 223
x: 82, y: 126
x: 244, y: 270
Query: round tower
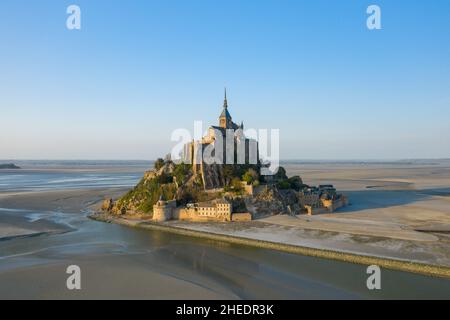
x: 163, y: 210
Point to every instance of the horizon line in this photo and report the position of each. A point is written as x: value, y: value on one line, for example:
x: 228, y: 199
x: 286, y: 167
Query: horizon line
x: 281, y: 160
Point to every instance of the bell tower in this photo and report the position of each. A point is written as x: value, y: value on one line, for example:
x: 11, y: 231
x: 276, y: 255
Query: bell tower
x: 225, y: 117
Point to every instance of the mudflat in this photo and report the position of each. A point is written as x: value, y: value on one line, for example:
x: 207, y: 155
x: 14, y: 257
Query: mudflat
x: 42, y: 233
x: 397, y: 211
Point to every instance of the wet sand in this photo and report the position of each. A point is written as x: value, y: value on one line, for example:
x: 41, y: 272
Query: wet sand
x: 103, y: 277
x: 33, y: 265
x: 73, y: 201
x: 43, y: 232
x: 126, y: 263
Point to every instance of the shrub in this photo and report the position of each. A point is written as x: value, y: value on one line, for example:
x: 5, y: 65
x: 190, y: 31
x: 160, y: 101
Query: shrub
x: 284, y: 184
x: 159, y: 163
x: 181, y: 171
x: 296, y: 183
x: 250, y: 176
x: 281, y: 174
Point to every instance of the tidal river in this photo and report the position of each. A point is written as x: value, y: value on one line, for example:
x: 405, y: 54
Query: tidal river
x: 44, y: 229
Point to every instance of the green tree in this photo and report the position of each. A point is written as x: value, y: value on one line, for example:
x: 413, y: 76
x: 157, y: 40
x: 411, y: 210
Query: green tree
x: 281, y: 174
x: 181, y: 171
x: 250, y: 176
x: 159, y: 163
x: 228, y: 173
x: 165, y: 178
x: 236, y: 184
x: 284, y: 184
x: 295, y: 182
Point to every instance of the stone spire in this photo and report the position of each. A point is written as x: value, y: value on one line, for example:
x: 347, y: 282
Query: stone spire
x: 225, y: 117
x: 225, y: 102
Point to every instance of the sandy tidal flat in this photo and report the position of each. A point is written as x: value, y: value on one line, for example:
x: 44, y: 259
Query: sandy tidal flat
x: 399, y: 212
x: 50, y: 232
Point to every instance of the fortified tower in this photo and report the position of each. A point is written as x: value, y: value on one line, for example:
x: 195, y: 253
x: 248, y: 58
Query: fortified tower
x: 163, y: 210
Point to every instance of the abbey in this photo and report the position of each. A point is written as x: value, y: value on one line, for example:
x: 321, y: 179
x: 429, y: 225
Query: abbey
x: 224, y: 144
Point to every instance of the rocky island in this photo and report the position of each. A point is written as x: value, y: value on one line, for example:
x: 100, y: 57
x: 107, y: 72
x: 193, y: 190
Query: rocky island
x: 194, y: 189
x: 8, y: 166
x: 175, y: 191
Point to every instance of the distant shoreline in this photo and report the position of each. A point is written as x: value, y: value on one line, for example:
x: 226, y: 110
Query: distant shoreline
x: 413, y: 267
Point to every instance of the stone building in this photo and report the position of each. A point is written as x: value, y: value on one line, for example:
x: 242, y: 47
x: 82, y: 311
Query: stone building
x: 223, y: 144
x: 220, y: 210
x: 322, y: 199
x: 215, y: 210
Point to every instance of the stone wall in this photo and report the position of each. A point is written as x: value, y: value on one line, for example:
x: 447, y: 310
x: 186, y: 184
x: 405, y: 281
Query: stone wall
x: 327, y: 206
x: 315, y: 210
x: 248, y: 188
x: 246, y: 216
x: 333, y: 205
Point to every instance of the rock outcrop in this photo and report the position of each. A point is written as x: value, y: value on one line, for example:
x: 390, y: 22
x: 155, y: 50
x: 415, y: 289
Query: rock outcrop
x: 212, y: 175
x: 8, y: 166
x: 272, y: 201
x: 108, y: 205
x: 169, y: 182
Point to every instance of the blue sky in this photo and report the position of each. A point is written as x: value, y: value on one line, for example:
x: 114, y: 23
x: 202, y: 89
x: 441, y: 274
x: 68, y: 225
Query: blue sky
x: 137, y: 70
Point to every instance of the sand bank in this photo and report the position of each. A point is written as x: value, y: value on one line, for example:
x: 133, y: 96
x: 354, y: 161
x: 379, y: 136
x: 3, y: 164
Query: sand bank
x: 408, y: 266
x: 22, y: 213
x: 36, y: 249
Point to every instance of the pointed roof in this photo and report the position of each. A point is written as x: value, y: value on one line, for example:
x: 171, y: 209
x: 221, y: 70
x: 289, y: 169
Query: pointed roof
x: 225, y: 113
x: 225, y: 102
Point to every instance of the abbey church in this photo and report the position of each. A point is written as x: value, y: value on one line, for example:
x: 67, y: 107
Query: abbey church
x: 223, y: 144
